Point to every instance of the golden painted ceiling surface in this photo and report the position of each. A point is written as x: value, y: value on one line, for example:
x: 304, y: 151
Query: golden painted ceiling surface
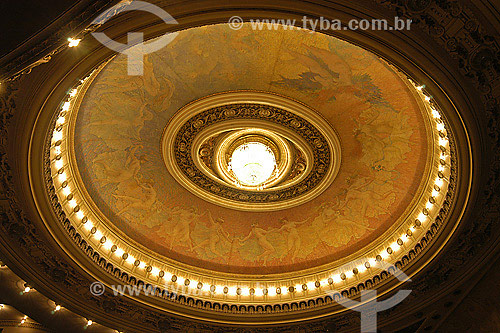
x: 379, y: 121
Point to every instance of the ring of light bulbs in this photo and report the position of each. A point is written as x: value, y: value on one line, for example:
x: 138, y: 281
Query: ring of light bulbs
x: 26, y: 289
x: 206, y: 285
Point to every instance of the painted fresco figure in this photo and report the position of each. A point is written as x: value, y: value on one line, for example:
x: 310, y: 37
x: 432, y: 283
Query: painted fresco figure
x: 261, y: 236
x: 118, y: 175
x: 293, y: 240
x: 181, y: 231
x: 147, y: 203
x: 216, y: 235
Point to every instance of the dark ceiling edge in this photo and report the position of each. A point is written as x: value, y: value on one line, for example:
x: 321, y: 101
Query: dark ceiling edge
x: 44, y: 44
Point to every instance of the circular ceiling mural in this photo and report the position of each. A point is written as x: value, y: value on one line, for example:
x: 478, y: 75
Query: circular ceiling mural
x: 381, y: 124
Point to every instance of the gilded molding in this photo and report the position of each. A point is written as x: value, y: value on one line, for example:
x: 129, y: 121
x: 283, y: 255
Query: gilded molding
x: 291, y: 120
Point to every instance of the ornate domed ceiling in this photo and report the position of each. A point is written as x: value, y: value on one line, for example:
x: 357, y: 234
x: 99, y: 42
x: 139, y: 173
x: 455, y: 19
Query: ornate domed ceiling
x: 380, y: 120
x: 143, y: 168
x: 248, y: 177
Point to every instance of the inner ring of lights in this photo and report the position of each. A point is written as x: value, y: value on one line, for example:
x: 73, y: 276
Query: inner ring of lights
x: 209, y: 285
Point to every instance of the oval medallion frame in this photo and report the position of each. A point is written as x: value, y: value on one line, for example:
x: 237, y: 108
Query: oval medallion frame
x: 261, y: 110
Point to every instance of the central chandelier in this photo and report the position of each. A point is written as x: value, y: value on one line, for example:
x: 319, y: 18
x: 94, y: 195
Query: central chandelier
x: 252, y: 163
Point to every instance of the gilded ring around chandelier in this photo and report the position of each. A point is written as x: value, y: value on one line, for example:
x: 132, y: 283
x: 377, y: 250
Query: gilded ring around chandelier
x: 304, y: 142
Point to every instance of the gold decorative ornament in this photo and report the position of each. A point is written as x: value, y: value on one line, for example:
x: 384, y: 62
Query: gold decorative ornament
x: 202, y: 138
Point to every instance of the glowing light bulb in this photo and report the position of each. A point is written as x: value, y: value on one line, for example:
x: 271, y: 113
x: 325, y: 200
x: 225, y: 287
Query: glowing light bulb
x: 232, y: 291
x: 439, y: 182
x: 73, y: 42
x: 119, y: 252
x: 66, y: 191
x: 361, y: 268
x: 436, y: 114
x: 421, y: 217
x: 62, y: 177
x: 59, y: 164
x: 56, y: 136
x: 155, y: 271
x: 219, y: 289
x: 98, y: 235
x: 107, y: 245
x: 130, y: 259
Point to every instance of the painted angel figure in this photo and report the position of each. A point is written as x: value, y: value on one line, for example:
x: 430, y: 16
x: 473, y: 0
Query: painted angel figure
x: 216, y: 236
x: 261, y: 236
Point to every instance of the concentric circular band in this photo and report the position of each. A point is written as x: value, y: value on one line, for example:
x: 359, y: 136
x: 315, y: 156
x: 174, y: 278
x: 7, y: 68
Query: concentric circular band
x: 286, y: 118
